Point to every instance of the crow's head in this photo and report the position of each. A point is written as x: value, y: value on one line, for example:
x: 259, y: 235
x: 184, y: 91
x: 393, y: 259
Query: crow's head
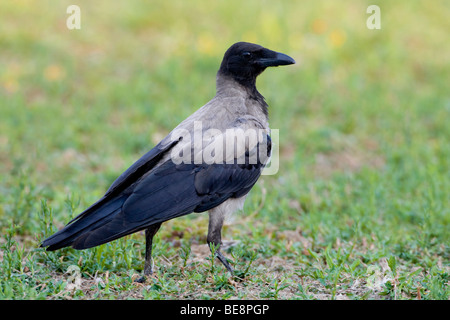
x: 245, y: 61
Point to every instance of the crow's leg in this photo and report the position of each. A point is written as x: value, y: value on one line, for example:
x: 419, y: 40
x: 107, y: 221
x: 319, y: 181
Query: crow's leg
x: 149, y: 234
x: 215, y: 237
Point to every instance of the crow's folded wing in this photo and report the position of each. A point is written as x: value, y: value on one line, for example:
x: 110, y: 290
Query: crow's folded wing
x: 173, y: 190
x: 142, y: 197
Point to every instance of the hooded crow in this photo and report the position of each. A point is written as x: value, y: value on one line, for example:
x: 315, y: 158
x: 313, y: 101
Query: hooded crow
x: 209, y: 162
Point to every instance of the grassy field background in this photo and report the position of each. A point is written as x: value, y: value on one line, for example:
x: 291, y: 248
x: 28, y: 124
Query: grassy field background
x: 358, y: 210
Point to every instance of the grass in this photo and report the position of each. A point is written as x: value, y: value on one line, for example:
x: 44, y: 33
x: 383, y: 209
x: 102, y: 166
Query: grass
x: 358, y: 210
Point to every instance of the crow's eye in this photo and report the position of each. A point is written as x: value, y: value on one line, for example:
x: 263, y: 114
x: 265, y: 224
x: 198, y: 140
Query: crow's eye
x: 247, y: 55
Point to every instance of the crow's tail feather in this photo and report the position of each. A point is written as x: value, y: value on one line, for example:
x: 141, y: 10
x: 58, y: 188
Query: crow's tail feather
x: 89, y: 220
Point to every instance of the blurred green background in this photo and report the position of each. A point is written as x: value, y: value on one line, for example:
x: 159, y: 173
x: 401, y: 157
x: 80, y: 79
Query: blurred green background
x: 363, y: 115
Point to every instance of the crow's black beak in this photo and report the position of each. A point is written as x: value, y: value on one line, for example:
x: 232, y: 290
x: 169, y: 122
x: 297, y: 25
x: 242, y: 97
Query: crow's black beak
x: 274, y: 59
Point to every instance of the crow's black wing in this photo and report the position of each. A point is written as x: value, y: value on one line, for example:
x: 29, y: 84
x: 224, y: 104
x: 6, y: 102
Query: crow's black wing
x: 171, y: 191
x: 166, y: 192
